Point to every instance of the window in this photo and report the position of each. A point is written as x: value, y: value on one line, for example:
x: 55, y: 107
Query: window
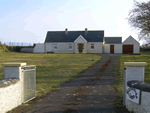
x: 55, y: 46
x: 70, y: 46
x: 92, y: 46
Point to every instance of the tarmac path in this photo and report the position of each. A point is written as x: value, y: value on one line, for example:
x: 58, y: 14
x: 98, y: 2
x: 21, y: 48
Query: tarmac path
x: 91, y: 92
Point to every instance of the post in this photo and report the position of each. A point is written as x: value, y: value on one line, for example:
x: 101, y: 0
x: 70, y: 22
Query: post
x: 45, y: 47
x: 124, y: 94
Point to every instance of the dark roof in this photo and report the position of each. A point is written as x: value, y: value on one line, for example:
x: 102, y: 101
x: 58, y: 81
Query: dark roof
x: 60, y: 36
x: 113, y: 40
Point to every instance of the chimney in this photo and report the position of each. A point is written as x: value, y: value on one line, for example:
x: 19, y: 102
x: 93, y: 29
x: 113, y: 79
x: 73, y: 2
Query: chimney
x: 66, y: 31
x: 86, y: 30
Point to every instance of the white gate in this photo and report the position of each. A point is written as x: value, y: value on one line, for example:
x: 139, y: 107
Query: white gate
x: 29, y: 82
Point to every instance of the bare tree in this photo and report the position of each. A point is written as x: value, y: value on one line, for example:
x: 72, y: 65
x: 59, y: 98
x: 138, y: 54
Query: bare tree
x: 139, y: 18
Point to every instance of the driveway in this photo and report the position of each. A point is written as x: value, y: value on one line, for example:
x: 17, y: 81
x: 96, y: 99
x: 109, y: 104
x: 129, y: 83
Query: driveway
x: 91, y: 92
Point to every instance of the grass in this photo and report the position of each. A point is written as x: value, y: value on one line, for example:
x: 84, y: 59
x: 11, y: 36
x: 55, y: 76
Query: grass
x: 104, y: 66
x: 144, y: 57
x: 52, y: 70
x: 55, y: 69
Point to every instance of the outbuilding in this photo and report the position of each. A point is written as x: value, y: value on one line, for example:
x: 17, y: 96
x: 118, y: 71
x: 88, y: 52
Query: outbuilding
x: 39, y: 48
x: 130, y: 45
x: 112, y: 45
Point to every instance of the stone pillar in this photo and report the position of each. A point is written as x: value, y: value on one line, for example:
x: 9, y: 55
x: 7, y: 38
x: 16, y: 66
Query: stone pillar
x: 134, y: 71
x: 12, y: 70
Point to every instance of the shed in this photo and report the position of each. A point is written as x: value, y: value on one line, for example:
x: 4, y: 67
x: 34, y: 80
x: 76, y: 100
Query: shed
x: 130, y: 45
x: 112, y: 45
x: 39, y: 48
x: 26, y: 50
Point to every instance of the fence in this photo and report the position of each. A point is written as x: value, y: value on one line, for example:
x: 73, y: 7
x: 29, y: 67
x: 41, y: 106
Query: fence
x: 16, y: 44
x: 18, y: 87
x: 29, y: 83
x: 136, y: 91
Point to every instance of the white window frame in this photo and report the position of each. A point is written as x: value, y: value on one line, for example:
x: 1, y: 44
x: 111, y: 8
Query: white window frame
x: 55, y: 45
x: 70, y: 45
x: 91, y: 46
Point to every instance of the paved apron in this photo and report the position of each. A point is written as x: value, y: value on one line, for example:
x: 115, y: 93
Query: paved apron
x: 91, y: 92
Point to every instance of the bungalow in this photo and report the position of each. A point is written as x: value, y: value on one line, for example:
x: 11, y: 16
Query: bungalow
x: 82, y: 42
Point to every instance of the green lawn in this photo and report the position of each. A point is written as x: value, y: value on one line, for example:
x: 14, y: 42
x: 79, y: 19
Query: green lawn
x: 51, y: 69
x: 54, y: 69
x: 144, y: 57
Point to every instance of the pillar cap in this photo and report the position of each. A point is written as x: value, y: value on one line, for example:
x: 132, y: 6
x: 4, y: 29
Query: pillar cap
x: 140, y: 64
x: 13, y: 64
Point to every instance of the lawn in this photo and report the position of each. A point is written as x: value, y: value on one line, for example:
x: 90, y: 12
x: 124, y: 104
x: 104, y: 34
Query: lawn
x: 54, y: 69
x: 51, y: 69
x: 144, y: 57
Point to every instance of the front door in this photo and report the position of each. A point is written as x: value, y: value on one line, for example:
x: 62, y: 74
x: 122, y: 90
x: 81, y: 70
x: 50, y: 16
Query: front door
x: 80, y: 48
x: 111, y: 48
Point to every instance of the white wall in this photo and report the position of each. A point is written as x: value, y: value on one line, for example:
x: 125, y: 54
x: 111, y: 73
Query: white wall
x: 62, y: 47
x: 106, y: 48
x: 145, y: 102
x: 144, y: 107
x: 10, y: 97
x: 49, y: 47
x: 97, y: 47
x: 39, y: 48
x: 118, y: 48
x: 136, y: 48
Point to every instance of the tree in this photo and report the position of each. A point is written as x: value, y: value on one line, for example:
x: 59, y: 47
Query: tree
x: 139, y: 18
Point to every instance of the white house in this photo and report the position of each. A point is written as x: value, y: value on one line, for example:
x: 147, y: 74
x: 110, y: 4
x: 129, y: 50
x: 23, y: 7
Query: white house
x: 92, y: 41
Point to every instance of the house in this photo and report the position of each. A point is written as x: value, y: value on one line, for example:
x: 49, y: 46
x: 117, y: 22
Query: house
x: 92, y: 41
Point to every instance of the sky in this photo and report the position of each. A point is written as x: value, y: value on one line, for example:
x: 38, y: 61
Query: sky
x: 29, y: 20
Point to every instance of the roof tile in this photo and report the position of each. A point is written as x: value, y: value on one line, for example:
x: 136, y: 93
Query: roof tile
x: 60, y: 36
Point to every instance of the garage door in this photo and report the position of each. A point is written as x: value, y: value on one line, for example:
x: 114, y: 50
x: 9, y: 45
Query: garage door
x: 127, y: 49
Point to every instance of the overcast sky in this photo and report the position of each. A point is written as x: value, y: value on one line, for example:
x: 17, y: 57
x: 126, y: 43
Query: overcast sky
x: 29, y: 20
